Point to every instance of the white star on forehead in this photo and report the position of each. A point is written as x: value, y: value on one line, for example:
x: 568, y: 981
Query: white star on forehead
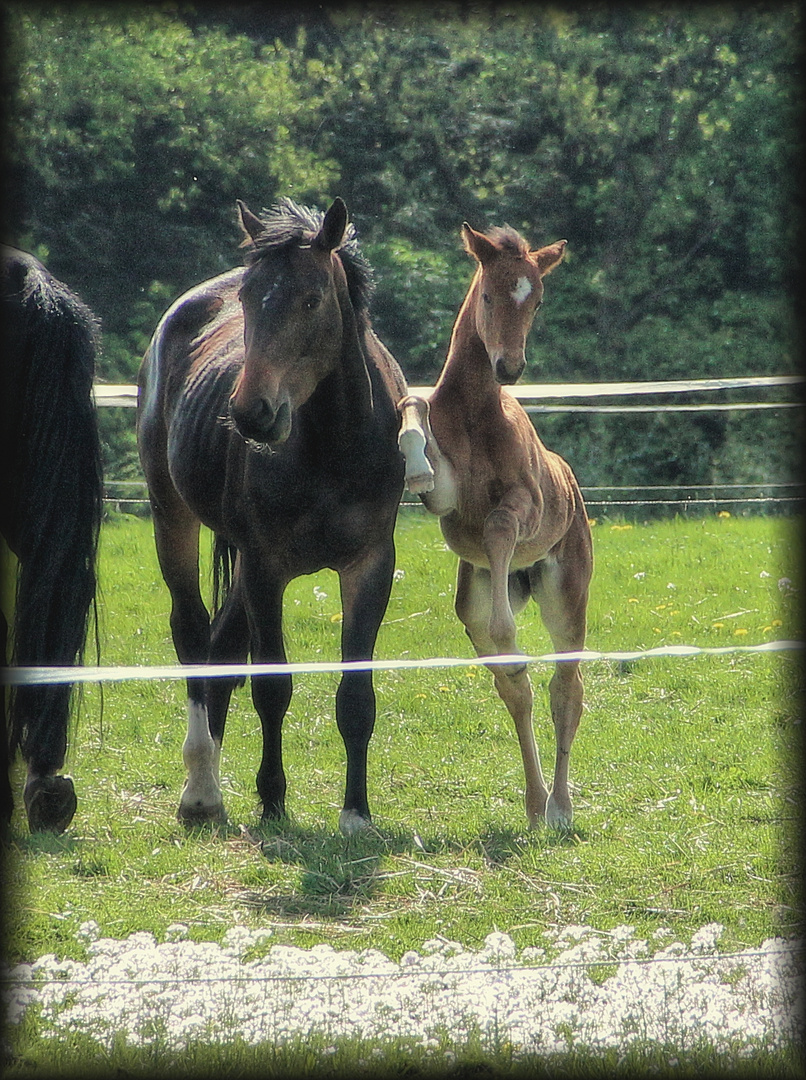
x: 521, y: 290
x: 272, y: 290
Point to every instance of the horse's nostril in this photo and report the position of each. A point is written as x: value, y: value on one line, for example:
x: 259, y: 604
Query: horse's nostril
x: 260, y: 422
x: 253, y: 420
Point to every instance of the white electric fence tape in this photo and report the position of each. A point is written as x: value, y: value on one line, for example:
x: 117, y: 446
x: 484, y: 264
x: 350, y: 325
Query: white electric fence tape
x: 31, y: 676
x: 126, y: 395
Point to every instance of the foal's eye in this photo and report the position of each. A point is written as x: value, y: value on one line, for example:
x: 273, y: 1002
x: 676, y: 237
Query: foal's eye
x: 486, y: 298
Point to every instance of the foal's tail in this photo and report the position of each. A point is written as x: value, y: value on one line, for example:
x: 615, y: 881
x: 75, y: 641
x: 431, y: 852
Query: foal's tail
x: 57, y: 501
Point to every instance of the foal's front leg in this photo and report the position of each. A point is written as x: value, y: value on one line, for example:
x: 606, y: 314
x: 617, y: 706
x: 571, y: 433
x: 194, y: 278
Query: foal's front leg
x: 412, y: 440
x: 429, y: 474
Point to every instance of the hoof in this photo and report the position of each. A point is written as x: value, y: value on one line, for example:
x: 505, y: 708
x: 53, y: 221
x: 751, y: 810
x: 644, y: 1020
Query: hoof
x: 50, y: 803
x: 351, y: 823
x: 561, y: 820
x: 195, y: 814
x: 420, y: 485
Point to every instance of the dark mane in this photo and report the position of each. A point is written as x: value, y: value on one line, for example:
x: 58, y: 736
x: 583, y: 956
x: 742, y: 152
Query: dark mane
x: 508, y: 240
x: 287, y: 223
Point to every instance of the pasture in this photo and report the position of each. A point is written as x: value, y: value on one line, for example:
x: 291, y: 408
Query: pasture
x: 684, y: 772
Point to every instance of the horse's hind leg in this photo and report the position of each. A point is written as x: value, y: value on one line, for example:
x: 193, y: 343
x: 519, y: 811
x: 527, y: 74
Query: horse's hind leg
x: 229, y: 644
x: 262, y: 596
x: 365, y: 589
x: 49, y: 797
x: 561, y: 589
x: 474, y: 606
x: 177, y: 539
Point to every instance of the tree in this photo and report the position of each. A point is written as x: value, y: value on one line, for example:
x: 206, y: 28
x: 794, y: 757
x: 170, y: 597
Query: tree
x: 132, y: 137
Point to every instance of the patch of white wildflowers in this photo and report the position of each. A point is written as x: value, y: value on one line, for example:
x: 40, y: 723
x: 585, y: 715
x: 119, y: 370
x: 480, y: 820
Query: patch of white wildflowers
x: 541, y: 1000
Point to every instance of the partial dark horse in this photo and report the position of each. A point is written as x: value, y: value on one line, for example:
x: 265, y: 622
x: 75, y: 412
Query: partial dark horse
x: 50, y: 516
x: 267, y: 412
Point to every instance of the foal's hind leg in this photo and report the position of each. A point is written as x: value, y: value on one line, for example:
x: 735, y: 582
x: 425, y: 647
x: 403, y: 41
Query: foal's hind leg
x: 562, y: 591
x: 474, y: 606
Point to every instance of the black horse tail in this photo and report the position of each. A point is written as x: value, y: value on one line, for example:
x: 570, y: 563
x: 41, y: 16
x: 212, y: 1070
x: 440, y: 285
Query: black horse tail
x: 57, y: 502
x: 223, y: 570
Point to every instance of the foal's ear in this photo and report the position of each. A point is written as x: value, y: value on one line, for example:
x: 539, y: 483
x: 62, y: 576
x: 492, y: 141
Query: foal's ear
x: 333, y: 227
x: 545, y: 259
x: 477, y: 244
x: 252, y: 226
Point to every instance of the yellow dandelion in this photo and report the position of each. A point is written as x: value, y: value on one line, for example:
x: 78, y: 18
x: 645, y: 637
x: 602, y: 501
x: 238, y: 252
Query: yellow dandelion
x: 723, y: 514
x: 740, y: 631
x: 777, y: 622
x: 676, y: 633
x: 717, y: 626
x: 632, y: 600
x: 655, y: 629
x: 591, y: 522
x: 336, y: 618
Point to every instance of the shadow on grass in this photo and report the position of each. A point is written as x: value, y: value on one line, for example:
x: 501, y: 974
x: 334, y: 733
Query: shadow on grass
x: 339, y: 874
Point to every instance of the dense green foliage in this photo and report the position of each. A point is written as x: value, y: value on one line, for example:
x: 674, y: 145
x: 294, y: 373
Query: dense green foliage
x: 663, y: 144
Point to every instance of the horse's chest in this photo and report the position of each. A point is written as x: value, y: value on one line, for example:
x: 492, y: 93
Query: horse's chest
x: 306, y: 525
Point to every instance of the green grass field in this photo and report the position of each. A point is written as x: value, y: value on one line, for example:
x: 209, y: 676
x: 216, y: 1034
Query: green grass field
x: 684, y: 771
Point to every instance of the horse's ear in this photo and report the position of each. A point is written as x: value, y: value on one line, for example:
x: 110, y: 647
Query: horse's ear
x: 477, y: 244
x: 548, y: 257
x: 333, y: 227
x: 252, y: 226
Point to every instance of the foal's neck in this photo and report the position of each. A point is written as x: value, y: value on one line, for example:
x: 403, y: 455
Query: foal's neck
x: 468, y: 373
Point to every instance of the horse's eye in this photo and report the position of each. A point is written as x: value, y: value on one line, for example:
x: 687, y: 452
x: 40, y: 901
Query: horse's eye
x: 312, y: 302
x: 486, y: 298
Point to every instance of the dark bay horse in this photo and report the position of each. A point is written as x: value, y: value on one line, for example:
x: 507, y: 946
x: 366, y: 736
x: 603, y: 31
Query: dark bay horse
x: 267, y: 411
x: 508, y: 507
x: 51, y: 501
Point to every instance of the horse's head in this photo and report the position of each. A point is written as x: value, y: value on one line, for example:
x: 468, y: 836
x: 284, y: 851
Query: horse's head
x: 294, y: 295
x: 506, y: 293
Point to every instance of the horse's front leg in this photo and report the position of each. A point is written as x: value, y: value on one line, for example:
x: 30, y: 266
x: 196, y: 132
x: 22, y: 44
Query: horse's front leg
x: 365, y: 589
x: 429, y: 474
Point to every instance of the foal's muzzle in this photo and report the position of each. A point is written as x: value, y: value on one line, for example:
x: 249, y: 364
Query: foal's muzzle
x: 508, y: 370
x: 261, y: 422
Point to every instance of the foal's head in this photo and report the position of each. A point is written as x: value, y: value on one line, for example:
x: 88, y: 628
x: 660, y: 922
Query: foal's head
x: 296, y: 303
x: 506, y: 293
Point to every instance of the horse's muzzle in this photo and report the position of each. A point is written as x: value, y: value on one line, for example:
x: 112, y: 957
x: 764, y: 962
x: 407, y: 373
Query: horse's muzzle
x: 260, y: 422
x: 507, y: 371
